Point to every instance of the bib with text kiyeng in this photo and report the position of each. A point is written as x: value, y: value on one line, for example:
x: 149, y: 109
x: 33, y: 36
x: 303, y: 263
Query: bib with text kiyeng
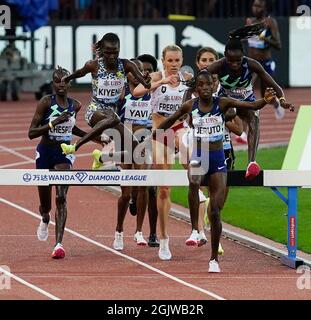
x: 109, y: 90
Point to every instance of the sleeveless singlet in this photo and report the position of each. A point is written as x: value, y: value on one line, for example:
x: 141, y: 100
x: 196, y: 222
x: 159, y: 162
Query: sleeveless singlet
x: 107, y: 86
x: 135, y: 110
x: 208, y: 126
x: 257, y: 43
x: 63, y: 131
x: 238, y: 87
x: 166, y: 100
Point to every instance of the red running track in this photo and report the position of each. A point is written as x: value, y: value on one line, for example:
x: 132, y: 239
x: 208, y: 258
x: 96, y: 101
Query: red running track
x: 92, y: 269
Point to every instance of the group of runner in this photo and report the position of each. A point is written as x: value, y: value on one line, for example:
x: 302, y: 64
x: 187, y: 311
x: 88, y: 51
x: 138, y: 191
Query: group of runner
x: 196, y: 112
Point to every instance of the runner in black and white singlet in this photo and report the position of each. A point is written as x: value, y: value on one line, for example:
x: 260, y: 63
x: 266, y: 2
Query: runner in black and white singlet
x: 208, y: 159
x: 54, y: 121
x: 235, y: 75
x: 108, y: 78
x: 167, y: 91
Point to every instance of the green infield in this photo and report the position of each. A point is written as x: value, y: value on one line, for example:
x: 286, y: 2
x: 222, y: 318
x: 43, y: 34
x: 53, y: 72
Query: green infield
x: 259, y: 210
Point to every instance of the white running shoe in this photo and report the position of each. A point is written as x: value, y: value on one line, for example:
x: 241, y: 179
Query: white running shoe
x: 118, y: 241
x: 43, y: 231
x: 213, y: 266
x: 202, y: 239
x: 279, y: 113
x: 164, y: 250
x: 138, y: 237
x: 193, y: 239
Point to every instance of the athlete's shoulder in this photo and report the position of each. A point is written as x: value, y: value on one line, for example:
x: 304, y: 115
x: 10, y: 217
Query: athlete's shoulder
x: 270, y: 21
x: 91, y: 64
x: 46, y: 100
x: 76, y: 103
x: 252, y: 63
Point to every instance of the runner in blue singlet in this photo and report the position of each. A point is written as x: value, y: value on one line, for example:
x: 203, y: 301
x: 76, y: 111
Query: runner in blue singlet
x: 208, y: 159
x: 235, y: 73
x: 54, y: 121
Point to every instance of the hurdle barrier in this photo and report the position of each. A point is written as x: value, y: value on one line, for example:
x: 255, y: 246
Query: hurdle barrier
x: 290, y: 179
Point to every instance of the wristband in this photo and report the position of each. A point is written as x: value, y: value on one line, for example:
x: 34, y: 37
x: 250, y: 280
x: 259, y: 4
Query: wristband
x: 282, y: 99
x: 51, y: 125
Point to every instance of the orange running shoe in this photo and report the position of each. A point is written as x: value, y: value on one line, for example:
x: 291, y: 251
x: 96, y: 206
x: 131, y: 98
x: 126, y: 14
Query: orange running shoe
x: 58, y: 252
x: 252, y: 170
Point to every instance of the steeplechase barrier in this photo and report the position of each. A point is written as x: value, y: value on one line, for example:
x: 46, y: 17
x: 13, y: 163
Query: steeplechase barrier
x: 290, y: 179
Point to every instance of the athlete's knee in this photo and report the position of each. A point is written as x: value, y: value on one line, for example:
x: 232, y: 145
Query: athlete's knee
x: 61, y: 199
x: 115, y: 119
x: 152, y: 192
x: 126, y: 194
x: 164, y: 192
x: 194, y: 186
x: 215, y: 207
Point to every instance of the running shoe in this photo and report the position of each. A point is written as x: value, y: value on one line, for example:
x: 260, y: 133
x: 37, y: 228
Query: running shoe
x: 164, y: 250
x: 252, y: 171
x: 118, y: 241
x: 221, y: 251
x: 213, y: 266
x: 202, y: 240
x: 279, y: 113
x: 242, y: 138
x: 68, y: 148
x: 153, y: 240
x: 43, y: 231
x: 193, y: 239
x: 133, y: 207
x: 97, y: 164
x: 58, y: 252
x: 138, y: 237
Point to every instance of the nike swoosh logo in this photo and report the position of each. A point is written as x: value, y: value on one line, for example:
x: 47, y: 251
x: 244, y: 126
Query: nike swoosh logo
x: 219, y: 168
x: 181, y: 90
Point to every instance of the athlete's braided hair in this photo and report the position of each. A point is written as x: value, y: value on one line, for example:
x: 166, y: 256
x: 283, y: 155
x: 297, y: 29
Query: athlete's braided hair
x: 193, y: 81
x: 236, y: 35
x: 60, y: 72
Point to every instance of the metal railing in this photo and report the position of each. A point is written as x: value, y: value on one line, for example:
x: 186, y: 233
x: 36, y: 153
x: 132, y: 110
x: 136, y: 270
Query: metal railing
x: 161, y: 9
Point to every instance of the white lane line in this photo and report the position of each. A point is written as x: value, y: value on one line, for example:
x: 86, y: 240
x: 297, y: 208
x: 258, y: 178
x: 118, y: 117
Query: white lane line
x: 29, y: 285
x: 16, y: 153
x: 22, y: 148
x: 78, y: 235
x: 13, y: 139
x: 24, y: 132
x: 10, y: 165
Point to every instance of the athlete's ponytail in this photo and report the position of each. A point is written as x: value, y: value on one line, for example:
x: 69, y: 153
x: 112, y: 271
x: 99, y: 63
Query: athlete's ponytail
x: 236, y: 35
